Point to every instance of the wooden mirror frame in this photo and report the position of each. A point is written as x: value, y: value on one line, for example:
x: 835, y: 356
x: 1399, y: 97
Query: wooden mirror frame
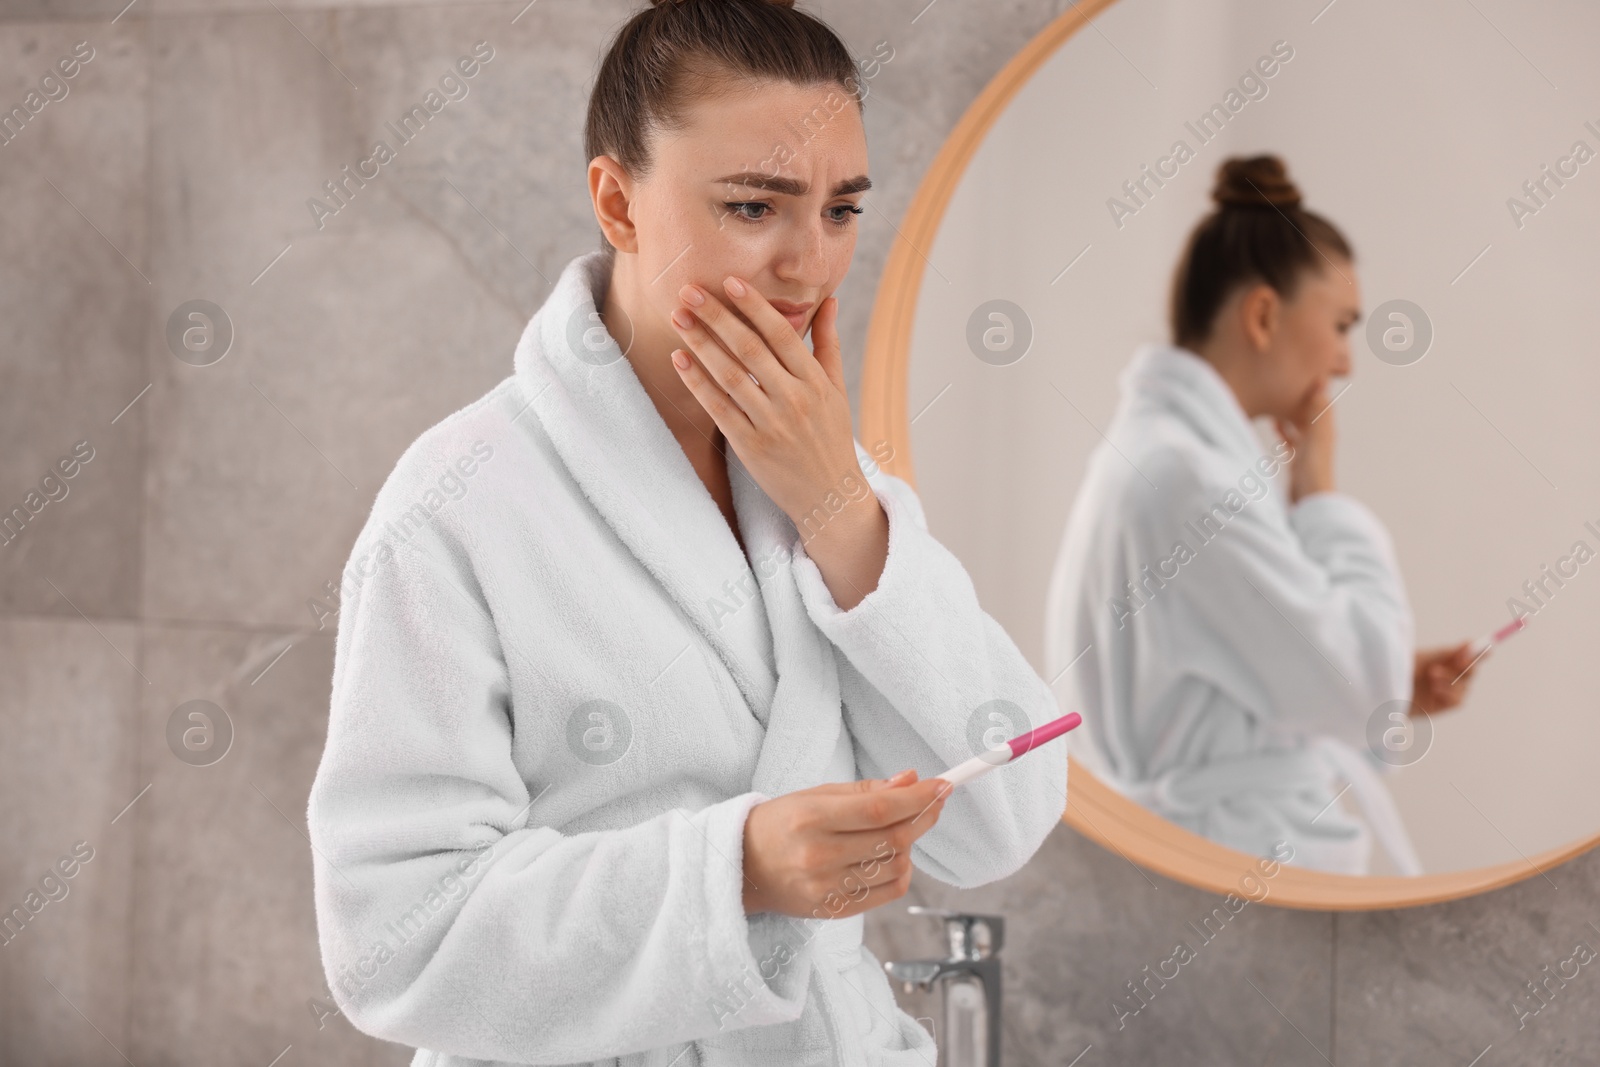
x: 1094, y: 809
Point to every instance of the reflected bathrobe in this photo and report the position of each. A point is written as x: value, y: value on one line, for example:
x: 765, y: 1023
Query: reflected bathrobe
x: 1235, y: 650
x: 559, y: 686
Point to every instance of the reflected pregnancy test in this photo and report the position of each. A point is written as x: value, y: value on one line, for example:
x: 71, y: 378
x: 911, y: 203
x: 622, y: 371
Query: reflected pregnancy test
x: 1484, y: 644
x: 963, y: 773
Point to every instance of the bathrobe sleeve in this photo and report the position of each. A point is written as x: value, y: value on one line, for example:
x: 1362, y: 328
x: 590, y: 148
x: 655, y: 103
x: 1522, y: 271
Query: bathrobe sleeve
x: 1306, y: 605
x: 450, y: 917
x: 930, y: 680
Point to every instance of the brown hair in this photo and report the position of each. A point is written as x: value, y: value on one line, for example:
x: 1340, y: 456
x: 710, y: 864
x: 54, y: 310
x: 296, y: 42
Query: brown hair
x: 676, y: 50
x: 1258, y: 232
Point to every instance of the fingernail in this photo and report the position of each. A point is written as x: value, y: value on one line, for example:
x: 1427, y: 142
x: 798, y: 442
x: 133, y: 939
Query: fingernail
x: 691, y: 295
x: 734, y: 286
x: 682, y: 318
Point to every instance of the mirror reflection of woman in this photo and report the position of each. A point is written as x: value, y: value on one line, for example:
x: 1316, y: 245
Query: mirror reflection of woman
x: 1236, y: 647
x: 627, y: 738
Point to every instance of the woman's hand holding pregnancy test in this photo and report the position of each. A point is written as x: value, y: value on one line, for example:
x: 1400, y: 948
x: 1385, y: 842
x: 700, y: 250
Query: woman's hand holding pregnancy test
x: 834, y: 850
x: 838, y: 849
x: 1443, y: 674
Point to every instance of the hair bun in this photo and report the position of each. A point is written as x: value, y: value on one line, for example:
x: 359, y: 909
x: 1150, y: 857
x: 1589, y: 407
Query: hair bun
x: 1256, y: 181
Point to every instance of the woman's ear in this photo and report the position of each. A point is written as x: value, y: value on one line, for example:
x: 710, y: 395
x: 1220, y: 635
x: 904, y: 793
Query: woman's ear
x: 1259, y: 311
x: 611, y: 189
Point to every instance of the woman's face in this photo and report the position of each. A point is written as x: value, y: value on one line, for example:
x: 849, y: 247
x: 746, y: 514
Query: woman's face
x: 759, y: 184
x: 1311, y: 343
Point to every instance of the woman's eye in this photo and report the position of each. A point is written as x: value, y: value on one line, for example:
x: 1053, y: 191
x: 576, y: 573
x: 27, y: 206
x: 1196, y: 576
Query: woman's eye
x: 839, y: 213
x: 737, y: 208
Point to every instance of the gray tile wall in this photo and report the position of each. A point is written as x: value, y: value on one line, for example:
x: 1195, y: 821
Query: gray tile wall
x: 216, y: 501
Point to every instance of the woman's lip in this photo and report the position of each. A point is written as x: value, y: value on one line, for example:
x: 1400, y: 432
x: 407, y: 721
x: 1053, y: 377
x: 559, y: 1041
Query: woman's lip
x: 795, y: 313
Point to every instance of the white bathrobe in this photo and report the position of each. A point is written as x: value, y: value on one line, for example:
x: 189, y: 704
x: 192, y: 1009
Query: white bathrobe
x: 559, y: 686
x: 1234, y: 649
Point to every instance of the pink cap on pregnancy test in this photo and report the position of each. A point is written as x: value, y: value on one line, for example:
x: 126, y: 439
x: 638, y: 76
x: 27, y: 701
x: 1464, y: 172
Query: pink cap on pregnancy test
x: 981, y: 764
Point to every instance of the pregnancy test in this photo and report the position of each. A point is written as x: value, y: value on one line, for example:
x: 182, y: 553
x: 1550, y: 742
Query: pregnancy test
x: 963, y: 773
x: 1484, y: 644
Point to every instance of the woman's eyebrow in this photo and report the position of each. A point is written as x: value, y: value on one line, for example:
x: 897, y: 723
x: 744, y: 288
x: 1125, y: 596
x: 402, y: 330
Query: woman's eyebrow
x: 792, y: 186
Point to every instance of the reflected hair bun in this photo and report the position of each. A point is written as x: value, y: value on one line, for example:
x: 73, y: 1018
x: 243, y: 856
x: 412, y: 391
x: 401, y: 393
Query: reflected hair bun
x: 1256, y: 181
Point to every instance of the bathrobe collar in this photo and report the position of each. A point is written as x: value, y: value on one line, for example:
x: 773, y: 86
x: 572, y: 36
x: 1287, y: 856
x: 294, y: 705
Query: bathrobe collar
x: 1185, y: 384
x: 609, y: 435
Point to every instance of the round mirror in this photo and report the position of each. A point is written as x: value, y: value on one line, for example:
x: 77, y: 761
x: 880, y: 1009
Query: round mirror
x: 1454, y: 152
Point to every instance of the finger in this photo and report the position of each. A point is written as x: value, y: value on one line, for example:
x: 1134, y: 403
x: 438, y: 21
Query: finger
x: 857, y: 881
x: 880, y: 844
x: 936, y: 804
x: 880, y: 808
x: 856, y: 889
x: 825, y: 342
x: 865, y: 785
x: 748, y: 346
x: 877, y: 856
x: 778, y: 337
x: 730, y: 375
x: 899, y: 782
x: 729, y: 416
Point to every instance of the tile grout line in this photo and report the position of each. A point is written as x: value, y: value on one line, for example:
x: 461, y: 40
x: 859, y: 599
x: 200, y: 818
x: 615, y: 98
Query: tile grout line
x: 1333, y: 988
x: 138, y: 621
x: 141, y: 645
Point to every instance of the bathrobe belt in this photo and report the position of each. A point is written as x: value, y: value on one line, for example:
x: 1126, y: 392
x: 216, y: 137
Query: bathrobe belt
x: 838, y: 949
x: 835, y: 948
x: 1190, y: 790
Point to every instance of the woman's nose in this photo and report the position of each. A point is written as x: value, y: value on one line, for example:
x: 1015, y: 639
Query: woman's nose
x: 805, y: 259
x: 1342, y: 365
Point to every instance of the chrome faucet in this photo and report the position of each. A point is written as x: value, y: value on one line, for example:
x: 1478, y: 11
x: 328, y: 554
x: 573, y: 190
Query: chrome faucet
x: 969, y: 984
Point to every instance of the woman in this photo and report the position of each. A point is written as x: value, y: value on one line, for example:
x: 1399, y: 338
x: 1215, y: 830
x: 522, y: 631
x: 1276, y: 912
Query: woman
x: 1242, y: 654
x: 605, y: 770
